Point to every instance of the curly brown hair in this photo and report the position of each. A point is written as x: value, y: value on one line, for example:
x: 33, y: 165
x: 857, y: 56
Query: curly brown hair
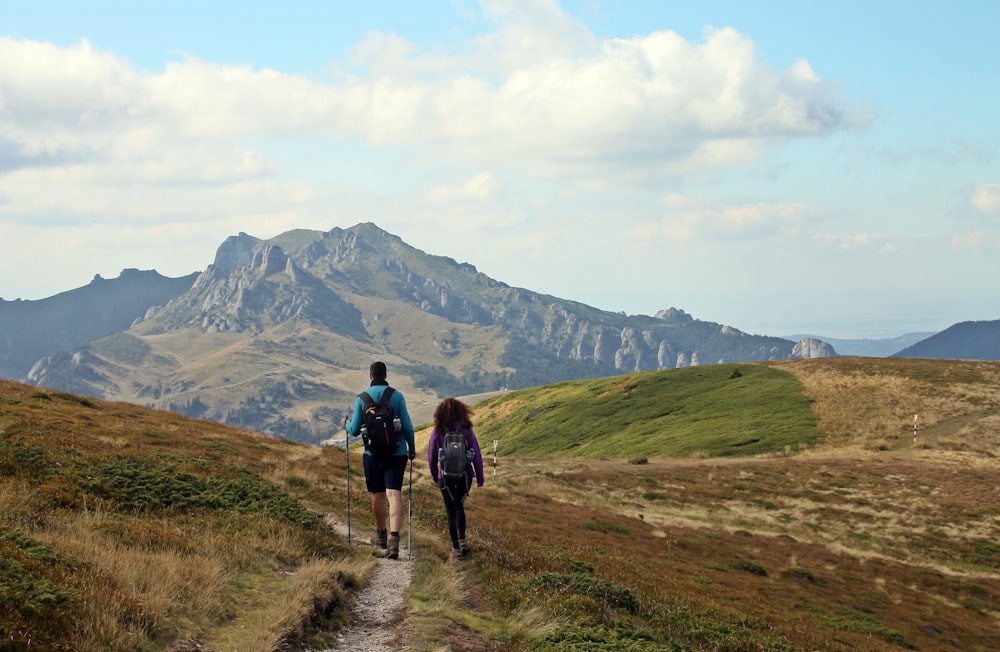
x: 449, y: 412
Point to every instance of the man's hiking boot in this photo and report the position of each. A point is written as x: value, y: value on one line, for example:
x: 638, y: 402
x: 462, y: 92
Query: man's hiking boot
x: 463, y: 549
x: 380, y: 539
x: 392, y: 551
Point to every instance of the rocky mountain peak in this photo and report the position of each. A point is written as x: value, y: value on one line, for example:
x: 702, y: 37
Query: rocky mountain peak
x: 254, y: 284
x: 235, y: 252
x: 269, y: 259
x: 673, y: 314
x: 812, y: 348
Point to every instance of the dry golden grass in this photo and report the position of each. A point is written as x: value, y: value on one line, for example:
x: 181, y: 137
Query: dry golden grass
x: 831, y: 536
x: 135, y: 568
x: 870, y: 402
x: 171, y: 589
x: 866, y: 541
x: 290, y: 606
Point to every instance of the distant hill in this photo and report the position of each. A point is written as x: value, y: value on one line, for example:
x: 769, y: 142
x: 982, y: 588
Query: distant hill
x: 969, y: 340
x: 869, y: 348
x: 34, y: 329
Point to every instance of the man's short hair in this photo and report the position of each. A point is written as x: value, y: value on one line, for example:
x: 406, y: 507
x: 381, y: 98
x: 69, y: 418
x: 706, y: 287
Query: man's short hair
x: 378, y: 371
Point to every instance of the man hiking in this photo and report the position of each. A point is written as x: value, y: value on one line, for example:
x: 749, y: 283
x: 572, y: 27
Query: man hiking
x: 388, y: 434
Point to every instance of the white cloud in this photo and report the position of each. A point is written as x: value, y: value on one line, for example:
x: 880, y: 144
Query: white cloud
x: 865, y: 241
x: 540, y: 93
x: 977, y: 239
x: 480, y: 188
x: 688, y: 218
x: 986, y: 198
x: 856, y: 241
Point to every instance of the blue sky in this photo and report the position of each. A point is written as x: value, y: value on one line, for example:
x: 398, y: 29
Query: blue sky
x: 778, y: 167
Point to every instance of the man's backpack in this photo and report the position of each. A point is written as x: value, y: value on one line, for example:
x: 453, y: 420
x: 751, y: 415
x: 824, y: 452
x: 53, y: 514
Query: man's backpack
x: 378, y: 430
x: 454, y: 455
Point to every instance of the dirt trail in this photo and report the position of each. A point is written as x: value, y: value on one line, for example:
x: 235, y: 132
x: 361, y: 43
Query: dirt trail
x: 379, y: 613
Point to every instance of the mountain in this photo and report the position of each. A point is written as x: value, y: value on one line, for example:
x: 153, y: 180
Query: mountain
x: 969, y: 340
x: 33, y: 329
x: 277, y: 335
x: 869, y: 348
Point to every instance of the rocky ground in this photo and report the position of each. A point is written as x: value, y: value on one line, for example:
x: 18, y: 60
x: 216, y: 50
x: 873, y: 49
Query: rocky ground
x: 379, y: 614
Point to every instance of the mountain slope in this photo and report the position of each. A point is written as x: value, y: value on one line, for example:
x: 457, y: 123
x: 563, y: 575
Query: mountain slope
x: 34, y: 329
x: 277, y: 335
x: 970, y: 340
x: 751, y: 409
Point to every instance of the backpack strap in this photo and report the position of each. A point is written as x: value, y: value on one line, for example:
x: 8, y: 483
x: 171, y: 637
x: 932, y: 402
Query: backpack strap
x: 367, y: 399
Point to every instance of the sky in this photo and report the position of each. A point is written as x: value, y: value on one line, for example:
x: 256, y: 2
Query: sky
x: 778, y: 167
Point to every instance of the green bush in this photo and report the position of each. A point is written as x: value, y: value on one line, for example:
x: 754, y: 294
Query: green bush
x: 585, y: 584
x: 66, y: 396
x: 18, y: 457
x: 36, y: 613
x: 750, y: 567
x: 620, y: 636
x: 136, y: 487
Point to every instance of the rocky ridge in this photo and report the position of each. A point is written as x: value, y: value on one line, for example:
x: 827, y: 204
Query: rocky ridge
x: 274, y: 331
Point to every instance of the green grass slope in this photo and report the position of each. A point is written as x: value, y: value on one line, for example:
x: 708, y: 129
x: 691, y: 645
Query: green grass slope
x: 714, y: 411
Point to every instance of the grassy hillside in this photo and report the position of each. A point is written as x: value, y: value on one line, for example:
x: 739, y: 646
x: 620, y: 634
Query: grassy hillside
x: 123, y: 528
x: 715, y: 410
x: 865, y: 540
x: 781, y: 506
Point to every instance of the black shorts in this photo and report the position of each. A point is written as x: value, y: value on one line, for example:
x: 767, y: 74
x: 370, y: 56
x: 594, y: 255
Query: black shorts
x: 384, y: 473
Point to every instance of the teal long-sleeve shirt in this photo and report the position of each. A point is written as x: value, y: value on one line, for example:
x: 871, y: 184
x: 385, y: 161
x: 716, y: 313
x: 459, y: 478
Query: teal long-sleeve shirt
x: 398, y: 403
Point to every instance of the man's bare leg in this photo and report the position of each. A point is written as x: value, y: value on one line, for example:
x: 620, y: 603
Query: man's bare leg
x: 378, y: 510
x: 395, y: 500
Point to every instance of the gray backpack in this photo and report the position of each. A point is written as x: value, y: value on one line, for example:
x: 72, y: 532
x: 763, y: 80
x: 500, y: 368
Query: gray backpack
x: 454, y: 456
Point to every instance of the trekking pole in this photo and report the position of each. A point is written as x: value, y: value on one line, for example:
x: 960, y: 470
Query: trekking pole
x: 409, y: 518
x: 347, y: 453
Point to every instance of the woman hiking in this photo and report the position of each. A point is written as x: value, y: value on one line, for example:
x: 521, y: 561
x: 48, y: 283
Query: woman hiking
x: 454, y: 457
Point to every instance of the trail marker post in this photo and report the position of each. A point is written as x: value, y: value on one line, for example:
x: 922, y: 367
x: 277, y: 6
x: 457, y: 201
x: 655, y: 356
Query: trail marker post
x: 495, y: 443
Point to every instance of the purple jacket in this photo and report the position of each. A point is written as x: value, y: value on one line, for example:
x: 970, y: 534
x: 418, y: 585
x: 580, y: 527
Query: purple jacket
x: 437, y: 441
